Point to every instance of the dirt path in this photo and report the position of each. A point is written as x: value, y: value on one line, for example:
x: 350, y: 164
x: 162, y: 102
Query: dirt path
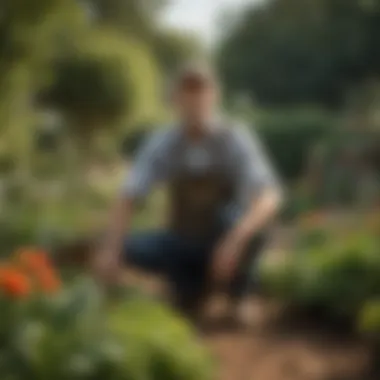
x: 253, y: 357
x: 264, y: 352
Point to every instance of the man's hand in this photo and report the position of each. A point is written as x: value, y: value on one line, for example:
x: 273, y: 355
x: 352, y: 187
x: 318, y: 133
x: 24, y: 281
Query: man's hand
x: 226, y: 257
x: 106, y: 267
x: 228, y: 253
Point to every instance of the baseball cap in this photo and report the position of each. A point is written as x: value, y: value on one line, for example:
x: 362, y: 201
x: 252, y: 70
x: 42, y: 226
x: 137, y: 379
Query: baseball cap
x: 195, y: 76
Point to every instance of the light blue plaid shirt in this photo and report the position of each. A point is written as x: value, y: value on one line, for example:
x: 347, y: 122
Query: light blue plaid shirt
x: 232, y: 148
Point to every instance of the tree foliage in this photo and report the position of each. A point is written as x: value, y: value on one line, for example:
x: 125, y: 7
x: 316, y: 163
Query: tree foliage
x: 100, y: 61
x: 172, y: 48
x: 289, y: 51
x: 139, y: 18
x: 103, y: 79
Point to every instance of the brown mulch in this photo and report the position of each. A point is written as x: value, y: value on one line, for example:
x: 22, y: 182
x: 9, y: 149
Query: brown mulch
x: 269, y: 350
x: 277, y: 346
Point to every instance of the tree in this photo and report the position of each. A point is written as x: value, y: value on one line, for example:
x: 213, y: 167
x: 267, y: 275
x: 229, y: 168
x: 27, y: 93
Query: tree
x: 172, y: 48
x: 134, y: 17
x: 292, y: 51
x: 138, y: 18
x: 103, y: 84
x: 28, y: 37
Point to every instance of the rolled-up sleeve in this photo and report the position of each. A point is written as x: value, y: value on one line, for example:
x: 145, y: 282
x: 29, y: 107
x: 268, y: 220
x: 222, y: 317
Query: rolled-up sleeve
x: 146, y: 169
x: 254, y: 170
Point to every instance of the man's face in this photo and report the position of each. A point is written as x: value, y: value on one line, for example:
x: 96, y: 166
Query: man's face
x: 195, y: 100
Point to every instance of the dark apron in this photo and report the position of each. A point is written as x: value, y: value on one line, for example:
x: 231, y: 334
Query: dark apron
x: 196, y: 203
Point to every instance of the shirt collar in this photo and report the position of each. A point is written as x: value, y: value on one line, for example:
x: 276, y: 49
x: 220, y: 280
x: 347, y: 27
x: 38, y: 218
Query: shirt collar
x: 213, y: 126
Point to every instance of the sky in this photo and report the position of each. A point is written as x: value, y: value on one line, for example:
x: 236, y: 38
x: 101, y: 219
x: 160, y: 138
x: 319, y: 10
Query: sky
x: 199, y: 16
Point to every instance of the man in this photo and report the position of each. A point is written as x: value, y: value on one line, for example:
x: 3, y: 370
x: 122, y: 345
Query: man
x: 223, y: 196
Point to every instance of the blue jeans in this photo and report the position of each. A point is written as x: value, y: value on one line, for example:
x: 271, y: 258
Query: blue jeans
x: 185, y: 262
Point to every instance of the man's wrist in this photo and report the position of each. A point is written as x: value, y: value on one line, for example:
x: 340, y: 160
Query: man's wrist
x: 108, y: 250
x: 244, y: 232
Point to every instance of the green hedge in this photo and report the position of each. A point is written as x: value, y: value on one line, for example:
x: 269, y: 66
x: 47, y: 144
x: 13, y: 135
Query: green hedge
x: 290, y: 136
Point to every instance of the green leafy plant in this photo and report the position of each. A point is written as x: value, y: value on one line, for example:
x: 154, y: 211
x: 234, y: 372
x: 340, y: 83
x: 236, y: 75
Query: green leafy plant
x: 48, y: 330
x: 368, y: 321
x: 336, y: 270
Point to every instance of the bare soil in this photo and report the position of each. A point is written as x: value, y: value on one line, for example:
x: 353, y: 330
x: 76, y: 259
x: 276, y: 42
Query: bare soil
x: 269, y: 346
x: 269, y: 350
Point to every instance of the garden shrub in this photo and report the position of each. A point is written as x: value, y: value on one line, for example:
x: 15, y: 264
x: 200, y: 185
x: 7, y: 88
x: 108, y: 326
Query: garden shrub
x: 290, y: 136
x: 16, y: 232
x: 333, y: 269
x: 369, y: 319
x: 51, y: 331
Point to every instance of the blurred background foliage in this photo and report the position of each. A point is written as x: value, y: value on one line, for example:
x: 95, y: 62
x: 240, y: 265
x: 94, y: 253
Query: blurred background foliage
x: 78, y: 78
x: 84, y: 81
x: 295, y: 51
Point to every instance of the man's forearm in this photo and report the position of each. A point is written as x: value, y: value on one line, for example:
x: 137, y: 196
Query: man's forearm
x: 260, y: 213
x: 119, y: 223
x: 232, y: 246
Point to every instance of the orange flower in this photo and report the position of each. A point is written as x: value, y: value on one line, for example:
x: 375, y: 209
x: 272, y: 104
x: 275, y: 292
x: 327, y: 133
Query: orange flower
x: 14, y: 283
x: 37, y: 261
x: 33, y: 259
x: 48, y: 280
